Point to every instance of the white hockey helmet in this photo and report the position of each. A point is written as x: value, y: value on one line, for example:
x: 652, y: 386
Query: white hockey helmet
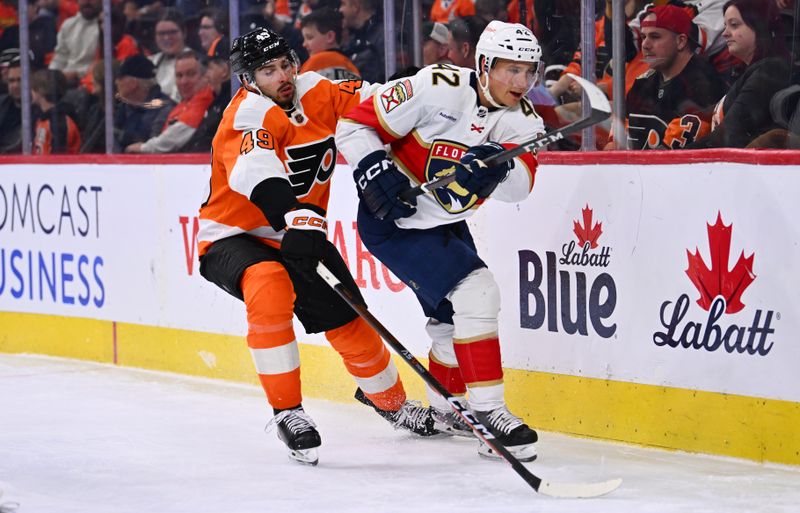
x: 511, y: 41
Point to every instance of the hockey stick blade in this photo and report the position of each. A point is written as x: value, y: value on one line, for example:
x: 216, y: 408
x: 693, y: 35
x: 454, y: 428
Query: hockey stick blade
x: 578, y: 490
x: 561, y: 490
x: 601, y: 110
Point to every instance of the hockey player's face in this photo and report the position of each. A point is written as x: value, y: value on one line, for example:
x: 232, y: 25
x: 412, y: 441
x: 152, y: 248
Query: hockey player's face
x: 510, y: 81
x: 276, y: 80
x: 740, y: 38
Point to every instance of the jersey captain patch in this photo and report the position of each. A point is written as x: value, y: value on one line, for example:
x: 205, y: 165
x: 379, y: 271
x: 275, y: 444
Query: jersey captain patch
x: 442, y: 160
x: 309, y: 163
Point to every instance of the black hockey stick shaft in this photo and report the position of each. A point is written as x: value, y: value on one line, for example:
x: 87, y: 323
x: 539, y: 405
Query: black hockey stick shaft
x: 601, y: 110
x: 480, y: 430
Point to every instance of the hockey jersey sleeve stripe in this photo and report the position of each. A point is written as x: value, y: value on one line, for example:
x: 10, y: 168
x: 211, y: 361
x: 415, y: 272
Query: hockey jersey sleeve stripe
x: 528, y: 161
x: 252, y: 169
x: 276, y: 360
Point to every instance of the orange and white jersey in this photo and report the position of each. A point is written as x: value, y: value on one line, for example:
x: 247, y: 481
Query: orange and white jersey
x: 256, y: 140
x: 430, y: 120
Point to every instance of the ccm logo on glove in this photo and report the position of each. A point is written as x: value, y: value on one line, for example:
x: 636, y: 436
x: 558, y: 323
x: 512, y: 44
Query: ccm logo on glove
x: 304, y: 219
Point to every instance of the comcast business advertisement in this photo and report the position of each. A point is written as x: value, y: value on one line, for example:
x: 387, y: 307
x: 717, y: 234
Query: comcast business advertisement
x: 682, y: 276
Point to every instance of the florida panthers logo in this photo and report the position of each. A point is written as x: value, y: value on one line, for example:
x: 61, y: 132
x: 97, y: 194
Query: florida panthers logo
x: 310, y: 163
x: 442, y: 160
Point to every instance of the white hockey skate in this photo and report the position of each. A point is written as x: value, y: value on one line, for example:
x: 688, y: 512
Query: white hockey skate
x: 298, y: 431
x: 510, y: 431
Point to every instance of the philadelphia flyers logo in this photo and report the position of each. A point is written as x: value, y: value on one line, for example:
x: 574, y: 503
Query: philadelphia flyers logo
x: 645, y: 131
x: 310, y: 163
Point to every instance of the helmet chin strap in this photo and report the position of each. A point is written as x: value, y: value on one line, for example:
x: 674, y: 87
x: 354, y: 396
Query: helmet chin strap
x: 487, y: 94
x: 485, y: 87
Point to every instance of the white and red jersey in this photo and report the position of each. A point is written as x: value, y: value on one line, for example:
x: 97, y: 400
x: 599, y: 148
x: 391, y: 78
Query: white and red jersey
x: 256, y: 140
x: 429, y: 120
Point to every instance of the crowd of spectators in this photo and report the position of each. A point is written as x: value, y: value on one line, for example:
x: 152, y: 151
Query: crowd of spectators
x: 698, y: 74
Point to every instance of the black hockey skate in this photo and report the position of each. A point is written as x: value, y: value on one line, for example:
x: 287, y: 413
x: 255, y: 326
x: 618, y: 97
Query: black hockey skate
x: 449, y: 423
x: 411, y: 416
x: 299, y: 433
x: 510, y: 431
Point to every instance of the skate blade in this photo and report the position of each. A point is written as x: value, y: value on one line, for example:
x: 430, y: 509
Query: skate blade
x: 304, y: 456
x: 524, y: 453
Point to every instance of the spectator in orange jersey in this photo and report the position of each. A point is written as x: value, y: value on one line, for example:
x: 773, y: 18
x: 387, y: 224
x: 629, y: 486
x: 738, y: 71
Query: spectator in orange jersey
x: 55, y: 130
x: 213, y: 30
x: 322, y: 34
x: 8, y: 14
x: 263, y: 231
x: 183, y: 120
x: 434, y: 43
x: 445, y: 11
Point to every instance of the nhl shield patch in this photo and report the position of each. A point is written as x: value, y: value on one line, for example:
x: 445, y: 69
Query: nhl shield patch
x: 442, y: 160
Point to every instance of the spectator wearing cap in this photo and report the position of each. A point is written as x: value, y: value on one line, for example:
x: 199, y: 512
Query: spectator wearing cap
x: 753, y: 33
x: 322, y: 34
x: 184, y: 119
x: 55, y: 130
x: 213, y: 30
x: 463, y: 37
x: 76, y: 43
x: 670, y: 105
x: 41, y: 35
x: 143, y: 108
x: 171, y: 42
x: 10, y: 108
x: 445, y: 11
x: 434, y: 43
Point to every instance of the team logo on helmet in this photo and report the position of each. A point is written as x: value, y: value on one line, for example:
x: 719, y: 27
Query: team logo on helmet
x: 443, y: 158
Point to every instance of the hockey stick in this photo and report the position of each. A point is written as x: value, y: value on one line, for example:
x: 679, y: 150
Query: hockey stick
x: 565, y: 490
x: 601, y: 110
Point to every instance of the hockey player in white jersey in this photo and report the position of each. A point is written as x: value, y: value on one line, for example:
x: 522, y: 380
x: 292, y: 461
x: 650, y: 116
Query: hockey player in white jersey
x: 445, y: 120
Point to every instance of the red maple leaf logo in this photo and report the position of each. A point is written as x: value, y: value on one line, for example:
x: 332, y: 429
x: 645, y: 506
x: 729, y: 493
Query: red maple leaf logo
x: 583, y: 233
x: 718, y: 281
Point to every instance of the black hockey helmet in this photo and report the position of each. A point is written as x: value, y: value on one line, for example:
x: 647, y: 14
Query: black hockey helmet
x: 254, y: 49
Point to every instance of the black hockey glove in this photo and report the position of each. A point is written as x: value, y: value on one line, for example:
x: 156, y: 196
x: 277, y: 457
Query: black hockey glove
x: 305, y: 240
x: 379, y: 182
x: 477, y: 178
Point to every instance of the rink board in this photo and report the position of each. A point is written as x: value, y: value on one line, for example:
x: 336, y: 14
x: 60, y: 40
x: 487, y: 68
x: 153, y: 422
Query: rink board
x: 98, y: 263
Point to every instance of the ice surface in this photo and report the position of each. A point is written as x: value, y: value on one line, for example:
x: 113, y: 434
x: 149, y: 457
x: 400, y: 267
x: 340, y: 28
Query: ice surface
x: 89, y: 438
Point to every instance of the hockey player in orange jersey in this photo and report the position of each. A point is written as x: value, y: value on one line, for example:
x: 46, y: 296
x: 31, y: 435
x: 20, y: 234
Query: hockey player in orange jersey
x: 263, y: 231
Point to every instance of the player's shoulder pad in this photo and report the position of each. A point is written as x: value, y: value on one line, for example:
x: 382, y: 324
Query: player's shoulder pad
x: 306, y: 81
x: 252, y: 112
